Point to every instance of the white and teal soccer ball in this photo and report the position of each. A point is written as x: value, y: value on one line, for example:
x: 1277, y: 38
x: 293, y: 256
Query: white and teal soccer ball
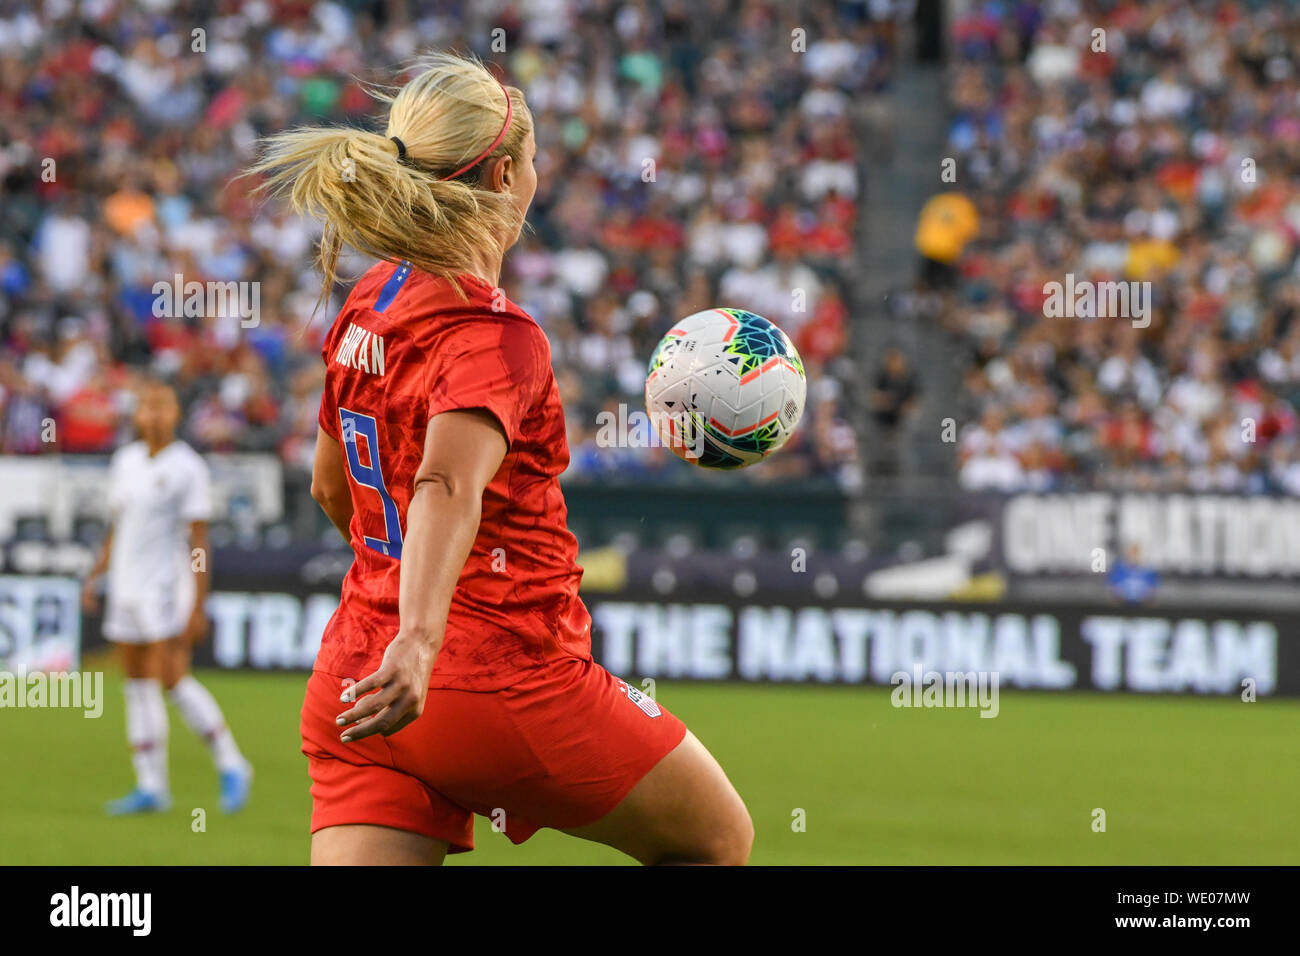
x: 725, y: 388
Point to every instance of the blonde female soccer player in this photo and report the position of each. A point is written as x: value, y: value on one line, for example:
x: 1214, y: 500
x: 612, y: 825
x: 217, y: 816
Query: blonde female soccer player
x: 158, y: 493
x: 456, y: 676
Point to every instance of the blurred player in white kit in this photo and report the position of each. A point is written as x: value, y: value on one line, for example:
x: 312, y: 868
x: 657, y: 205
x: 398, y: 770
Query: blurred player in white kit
x: 156, y: 555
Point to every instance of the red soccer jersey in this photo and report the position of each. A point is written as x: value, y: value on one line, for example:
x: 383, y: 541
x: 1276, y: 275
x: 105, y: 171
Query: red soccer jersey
x: 404, y: 348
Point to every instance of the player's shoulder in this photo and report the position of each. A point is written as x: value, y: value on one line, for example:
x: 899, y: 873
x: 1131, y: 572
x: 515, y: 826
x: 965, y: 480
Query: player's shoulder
x: 497, y: 337
x: 488, y: 327
x: 129, y: 454
x: 472, y: 317
x: 395, y: 296
x: 461, y: 301
x: 439, y: 317
x: 185, y: 455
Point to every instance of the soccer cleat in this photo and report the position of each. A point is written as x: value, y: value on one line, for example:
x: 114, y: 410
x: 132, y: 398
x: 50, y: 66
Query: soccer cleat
x: 234, y: 788
x: 138, y: 801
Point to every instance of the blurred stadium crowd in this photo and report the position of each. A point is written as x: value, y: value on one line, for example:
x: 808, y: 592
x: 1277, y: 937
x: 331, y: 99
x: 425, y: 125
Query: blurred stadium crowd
x: 121, y: 140
x: 1173, y: 157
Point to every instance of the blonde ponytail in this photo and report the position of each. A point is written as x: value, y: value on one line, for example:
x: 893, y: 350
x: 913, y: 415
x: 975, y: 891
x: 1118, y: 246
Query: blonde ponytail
x: 398, y: 207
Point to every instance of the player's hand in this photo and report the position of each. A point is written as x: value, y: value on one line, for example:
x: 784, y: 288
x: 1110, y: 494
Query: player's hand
x: 89, y: 596
x: 196, y: 628
x: 401, y: 684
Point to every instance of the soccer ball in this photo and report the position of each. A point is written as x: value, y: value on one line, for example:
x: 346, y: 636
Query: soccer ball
x: 725, y: 388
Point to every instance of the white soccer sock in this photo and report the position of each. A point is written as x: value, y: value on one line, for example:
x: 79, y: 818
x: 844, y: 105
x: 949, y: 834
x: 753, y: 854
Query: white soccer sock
x: 146, y: 732
x: 203, y: 715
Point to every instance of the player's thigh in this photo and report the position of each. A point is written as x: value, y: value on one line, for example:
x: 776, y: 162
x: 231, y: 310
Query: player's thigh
x: 685, y: 810
x: 364, y: 844
x: 175, y: 659
x: 142, y: 660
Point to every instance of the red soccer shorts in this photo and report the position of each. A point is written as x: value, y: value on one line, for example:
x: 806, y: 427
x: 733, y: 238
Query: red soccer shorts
x: 559, y: 749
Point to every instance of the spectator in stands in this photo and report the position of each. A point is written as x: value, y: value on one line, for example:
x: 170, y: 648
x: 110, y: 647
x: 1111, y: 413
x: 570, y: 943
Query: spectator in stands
x: 894, y: 401
x: 948, y: 222
x: 1170, y: 159
x: 680, y: 170
x: 1130, y: 580
x: 987, y: 455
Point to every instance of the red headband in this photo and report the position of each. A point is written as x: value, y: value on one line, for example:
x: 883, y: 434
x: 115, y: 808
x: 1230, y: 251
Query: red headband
x: 495, y: 143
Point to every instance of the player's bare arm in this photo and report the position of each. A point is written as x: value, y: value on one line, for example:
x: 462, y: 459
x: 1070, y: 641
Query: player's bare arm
x: 89, y: 597
x: 462, y: 451
x: 329, y: 483
x: 200, y: 560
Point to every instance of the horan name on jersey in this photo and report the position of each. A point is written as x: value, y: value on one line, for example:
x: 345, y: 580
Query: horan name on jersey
x: 361, y: 349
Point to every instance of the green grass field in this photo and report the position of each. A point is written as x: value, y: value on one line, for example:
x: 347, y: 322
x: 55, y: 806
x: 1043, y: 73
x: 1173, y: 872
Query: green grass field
x: 1182, y: 780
